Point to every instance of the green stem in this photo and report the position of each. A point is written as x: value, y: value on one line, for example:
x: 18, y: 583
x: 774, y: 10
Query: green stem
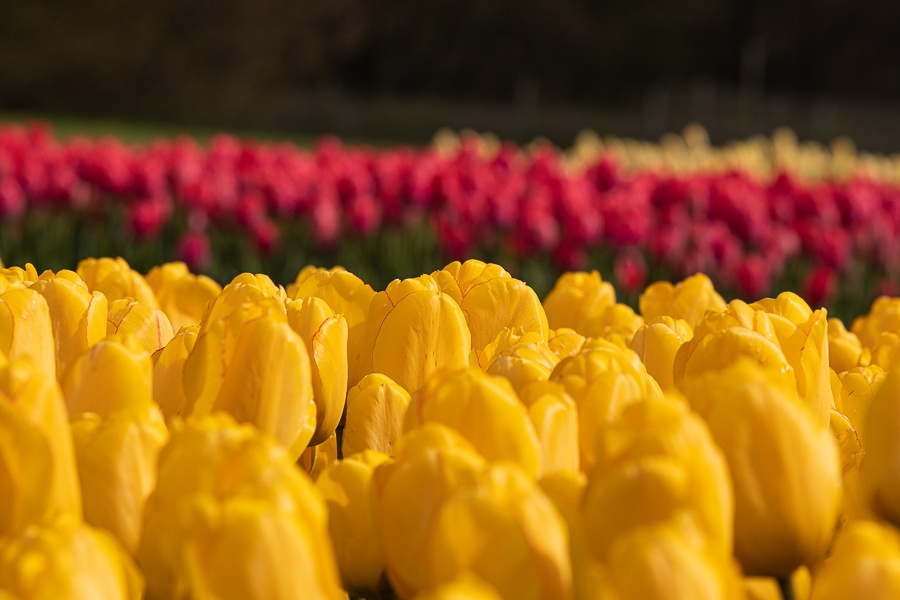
x: 786, y: 587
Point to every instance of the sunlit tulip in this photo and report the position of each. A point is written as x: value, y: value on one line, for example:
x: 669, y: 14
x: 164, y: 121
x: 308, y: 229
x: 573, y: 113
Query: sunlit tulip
x: 565, y: 342
x: 858, y: 386
x: 263, y: 283
x: 881, y: 467
x: 168, y: 372
x: 657, y: 343
x: 115, y: 279
x: 347, y: 295
x: 431, y: 464
x: 182, y: 295
x: 785, y: 469
x: 14, y: 274
x: 115, y: 374
x: 265, y: 381
x: 686, y: 300
x: 375, y: 410
x: 485, y: 410
x: 844, y: 348
x: 66, y: 559
x: 864, y: 563
x: 38, y: 474
x: 26, y: 329
x: 117, y: 467
x: 526, y: 359
x: 577, y: 299
x: 657, y: 460
x: 412, y: 331
x: 555, y: 418
x: 347, y: 488
x: 232, y: 517
x: 492, y: 301
x: 325, y: 335
x: 883, y: 317
x: 78, y: 316
x: 465, y: 587
x: 884, y: 352
x: 150, y: 326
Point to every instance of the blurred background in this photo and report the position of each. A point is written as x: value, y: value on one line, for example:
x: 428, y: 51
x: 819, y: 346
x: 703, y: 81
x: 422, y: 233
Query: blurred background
x: 398, y: 70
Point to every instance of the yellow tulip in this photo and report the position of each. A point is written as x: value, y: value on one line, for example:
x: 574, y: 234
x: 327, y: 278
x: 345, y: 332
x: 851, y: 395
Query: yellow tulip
x: 485, y: 410
x: 232, y: 517
x: 464, y: 587
x: 884, y: 352
x: 150, y: 326
x: 117, y: 467
x: 66, y: 559
x: 78, y: 317
x: 26, y: 329
x: 858, y: 387
x: 555, y: 418
x: 347, y: 295
x: 115, y: 279
x: 412, y: 331
x: 881, y: 467
x: 844, y: 348
x: 325, y: 335
x: 26, y: 276
x: 883, y: 317
x: 266, y: 381
x: 864, y: 563
x: 505, y: 530
x: 785, y: 469
x: 316, y: 459
x: 491, y: 301
x: 115, y: 374
x: 565, y: 342
x: 168, y: 372
x: 263, y: 283
x: 656, y: 343
x: 347, y: 488
x: 520, y: 358
x: 656, y: 461
x: 688, y: 300
x: 375, y: 410
x: 577, y: 299
x: 38, y: 475
x: 182, y: 296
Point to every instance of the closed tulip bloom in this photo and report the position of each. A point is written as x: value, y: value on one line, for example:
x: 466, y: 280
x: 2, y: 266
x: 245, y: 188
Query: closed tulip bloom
x: 348, y: 491
x: 492, y: 301
x: 117, y: 467
x: 577, y: 299
x: 66, y: 559
x: 858, y: 387
x: 261, y: 282
x: 115, y: 374
x: 555, y: 418
x: 168, y: 372
x: 527, y: 360
x: 412, y: 331
x: 182, y: 296
x: 656, y: 343
x: 115, y: 279
x: 26, y: 329
x: 864, y: 563
x: 881, y: 467
x: 38, y: 475
x: 785, y: 469
x: 884, y: 352
x: 232, y: 517
x: 376, y: 407
x: 16, y: 275
x: 688, y: 300
x: 485, y: 410
x: 325, y: 335
x: 844, y: 348
x: 78, y: 317
x: 266, y: 381
x: 347, y: 295
x: 883, y: 317
x: 150, y: 326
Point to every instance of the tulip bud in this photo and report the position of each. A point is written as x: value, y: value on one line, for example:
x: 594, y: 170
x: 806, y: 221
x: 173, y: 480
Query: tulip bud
x: 26, y: 330
x: 375, y: 410
x: 577, y: 299
x: 412, y: 331
x: 555, y: 418
x: 66, y: 559
x: 657, y: 343
x: 687, y: 300
x: 78, y: 317
x: 232, y: 517
x: 182, y: 296
x: 115, y: 279
x: 844, y: 348
x: 348, y: 491
x: 168, y: 373
x: 325, y: 335
x: 484, y: 410
x: 883, y: 317
x: 150, y: 326
x: 864, y: 563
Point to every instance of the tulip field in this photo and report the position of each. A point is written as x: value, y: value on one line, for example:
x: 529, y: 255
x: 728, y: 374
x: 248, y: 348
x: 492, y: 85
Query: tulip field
x: 621, y: 371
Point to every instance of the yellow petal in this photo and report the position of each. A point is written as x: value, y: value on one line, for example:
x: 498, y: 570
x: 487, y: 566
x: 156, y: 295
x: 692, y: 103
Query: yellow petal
x: 150, y: 326
x: 26, y: 330
x: 115, y: 374
x: 168, y: 373
x: 375, y: 410
x: 182, y: 296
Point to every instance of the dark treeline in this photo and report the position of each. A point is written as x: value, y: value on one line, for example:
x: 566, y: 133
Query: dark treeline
x: 245, y: 63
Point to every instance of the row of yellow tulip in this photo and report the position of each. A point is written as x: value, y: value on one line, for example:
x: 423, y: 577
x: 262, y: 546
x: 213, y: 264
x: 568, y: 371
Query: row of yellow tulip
x: 165, y: 437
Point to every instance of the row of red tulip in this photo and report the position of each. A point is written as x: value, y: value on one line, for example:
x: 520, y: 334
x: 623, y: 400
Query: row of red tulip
x: 741, y: 229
